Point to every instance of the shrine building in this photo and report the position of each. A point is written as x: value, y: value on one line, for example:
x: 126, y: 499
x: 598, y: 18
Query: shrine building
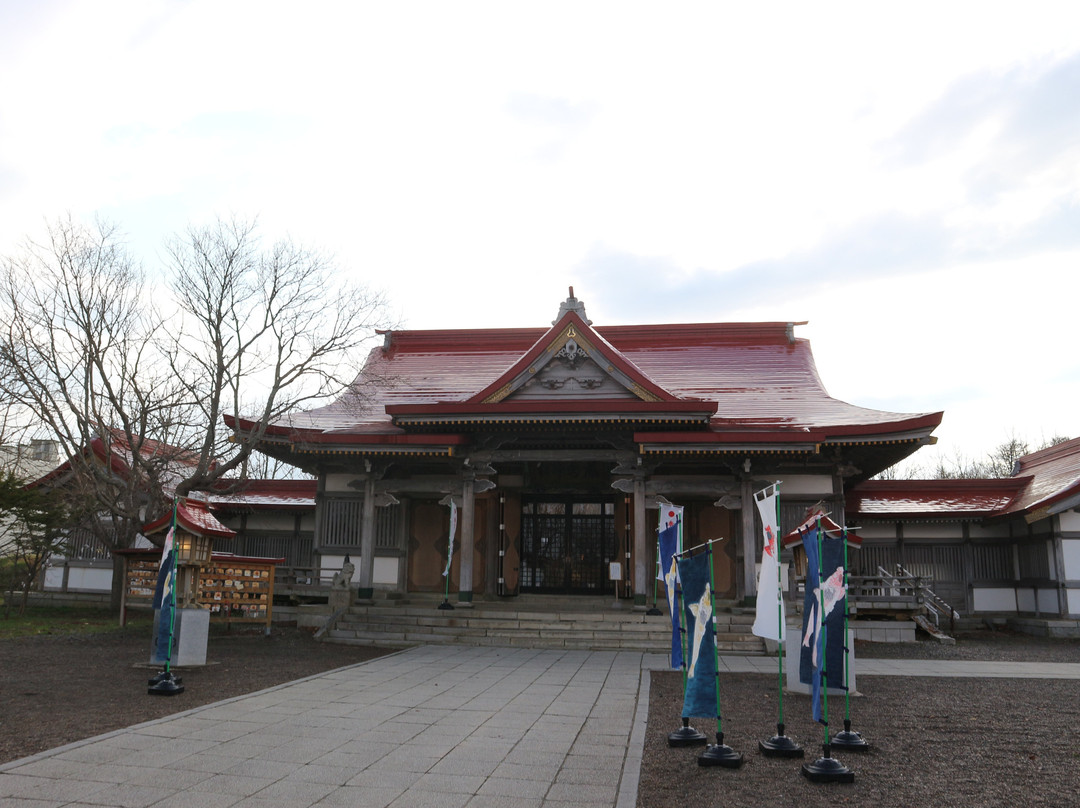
x: 558, y: 444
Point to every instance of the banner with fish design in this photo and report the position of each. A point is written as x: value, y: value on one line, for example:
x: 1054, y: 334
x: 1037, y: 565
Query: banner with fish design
x: 822, y: 651
x: 699, y: 698
x: 669, y: 546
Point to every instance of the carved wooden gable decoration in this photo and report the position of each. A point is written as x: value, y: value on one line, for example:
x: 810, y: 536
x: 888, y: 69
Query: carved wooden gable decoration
x: 572, y: 362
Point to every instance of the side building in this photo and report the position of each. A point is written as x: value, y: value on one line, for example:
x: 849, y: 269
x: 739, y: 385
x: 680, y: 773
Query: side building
x: 997, y: 548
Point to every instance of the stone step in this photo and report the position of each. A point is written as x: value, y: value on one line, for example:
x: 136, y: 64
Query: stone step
x: 540, y: 626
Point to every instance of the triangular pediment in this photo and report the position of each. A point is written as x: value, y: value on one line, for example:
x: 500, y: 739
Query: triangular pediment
x: 572, y: 362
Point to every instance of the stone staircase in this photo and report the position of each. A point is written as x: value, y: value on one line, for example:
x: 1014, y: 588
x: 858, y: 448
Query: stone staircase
x: 528, y: 621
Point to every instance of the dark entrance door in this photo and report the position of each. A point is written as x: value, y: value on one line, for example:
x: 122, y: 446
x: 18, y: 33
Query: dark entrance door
x: 566, y: 545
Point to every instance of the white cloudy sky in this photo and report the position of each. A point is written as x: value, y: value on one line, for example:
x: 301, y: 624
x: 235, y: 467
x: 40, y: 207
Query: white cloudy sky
x: 905, y: 177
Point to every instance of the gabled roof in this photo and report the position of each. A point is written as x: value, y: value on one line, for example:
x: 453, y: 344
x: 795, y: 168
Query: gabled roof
x: 1055, y: 480
x: 679, y: 387
x: 193, y: 515
x: 115, y: 450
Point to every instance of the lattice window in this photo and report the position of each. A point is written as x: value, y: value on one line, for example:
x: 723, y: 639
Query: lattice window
x: 296, y: 550
x: 993, y: 562
x: 1034, y: 561
x: 342, y: 519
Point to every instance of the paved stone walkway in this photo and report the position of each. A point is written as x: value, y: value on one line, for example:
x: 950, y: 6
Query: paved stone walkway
x: 451, y: 727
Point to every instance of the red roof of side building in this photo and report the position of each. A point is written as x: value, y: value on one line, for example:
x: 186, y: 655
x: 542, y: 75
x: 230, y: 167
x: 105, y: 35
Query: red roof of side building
x: 757, y: 380
x: 1054, y: 480
x: 279, y: 495
x: 932, y: 499
x: 1044, y: 483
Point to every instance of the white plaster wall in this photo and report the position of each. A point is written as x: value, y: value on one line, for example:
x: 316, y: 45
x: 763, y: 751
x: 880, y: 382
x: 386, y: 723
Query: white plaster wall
x: 936, y: 530
x: 333, y: 563
x: 339, y: 483
x: 1025, y: 599
x: 90, y: 579
x: 1070, y: 521
x: 1073, y: 601
x: 1070, y: 550
x: 54, y: 578
x: 987, y: 599
x: 1048, y: 601
x: 798, y: 485
x: 385, y: 572
x: 270, y: 521
x: 995, y: 531
x: 877, y: 530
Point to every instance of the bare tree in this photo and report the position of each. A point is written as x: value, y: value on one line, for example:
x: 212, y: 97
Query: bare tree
x: 77, y: 353
x: 265, y: 332
x: 999, y: 462
x: 136, y: 395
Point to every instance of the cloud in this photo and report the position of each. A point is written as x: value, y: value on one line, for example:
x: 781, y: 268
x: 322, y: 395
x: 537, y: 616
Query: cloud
x: 1017, y: 123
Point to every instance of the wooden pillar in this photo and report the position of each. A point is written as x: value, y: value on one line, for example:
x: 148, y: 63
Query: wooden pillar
x: 468, y: 543
x: 641, y: 551
x: 366, y: 588
x: 748, y: 583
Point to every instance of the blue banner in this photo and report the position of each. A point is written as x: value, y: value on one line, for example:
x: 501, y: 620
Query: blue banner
x: 164, y: 601
x: 699, y: 699
x: 669, y: 546
x: 822, y: 653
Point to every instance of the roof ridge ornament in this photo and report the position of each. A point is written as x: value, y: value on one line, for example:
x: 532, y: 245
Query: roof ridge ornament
x: 572, y: 304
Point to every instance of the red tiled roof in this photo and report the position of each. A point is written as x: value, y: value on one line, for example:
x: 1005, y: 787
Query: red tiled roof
x: 814, y: 516
x: 1055, y: 476
x: 937, y: 499
x: 761, y: 380
x: 267, y: 495
x: 193, y: 515
x: 1043, y: 479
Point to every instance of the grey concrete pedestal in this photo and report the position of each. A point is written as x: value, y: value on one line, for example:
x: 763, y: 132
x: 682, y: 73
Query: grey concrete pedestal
x: 191, y: 634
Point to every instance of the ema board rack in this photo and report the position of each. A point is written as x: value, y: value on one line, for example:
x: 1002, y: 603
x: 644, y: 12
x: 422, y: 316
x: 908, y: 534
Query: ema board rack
x: 234, y: 589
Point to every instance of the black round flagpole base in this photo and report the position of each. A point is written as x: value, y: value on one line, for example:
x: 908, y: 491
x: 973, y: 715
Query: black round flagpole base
x: 446, y: 605
x: 780, y: 745
x: 827, y: 769
x: 720, y: 754
x: 686, y: 735
x: 168, y: 686
x: 850, y: 740
x: 161, y: 677
x: 653, y: 612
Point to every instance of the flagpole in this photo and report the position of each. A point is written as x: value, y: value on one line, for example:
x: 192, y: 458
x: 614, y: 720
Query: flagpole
x: 780, y: 745
x: 848, y: 739
x: 446, y: 604
x: 167, y: 683
x: 718, y: 754
x: 686, y: 735
x: 826, y: 769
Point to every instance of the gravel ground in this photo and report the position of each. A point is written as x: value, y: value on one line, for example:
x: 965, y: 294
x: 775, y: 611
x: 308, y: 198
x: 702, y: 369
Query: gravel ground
x: 58, y: 689
x: 933, y: 741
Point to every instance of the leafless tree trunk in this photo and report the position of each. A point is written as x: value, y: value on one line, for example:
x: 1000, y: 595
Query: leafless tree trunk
x: 79, y: 353
x: 277, y: 329
x: 136, y: 394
